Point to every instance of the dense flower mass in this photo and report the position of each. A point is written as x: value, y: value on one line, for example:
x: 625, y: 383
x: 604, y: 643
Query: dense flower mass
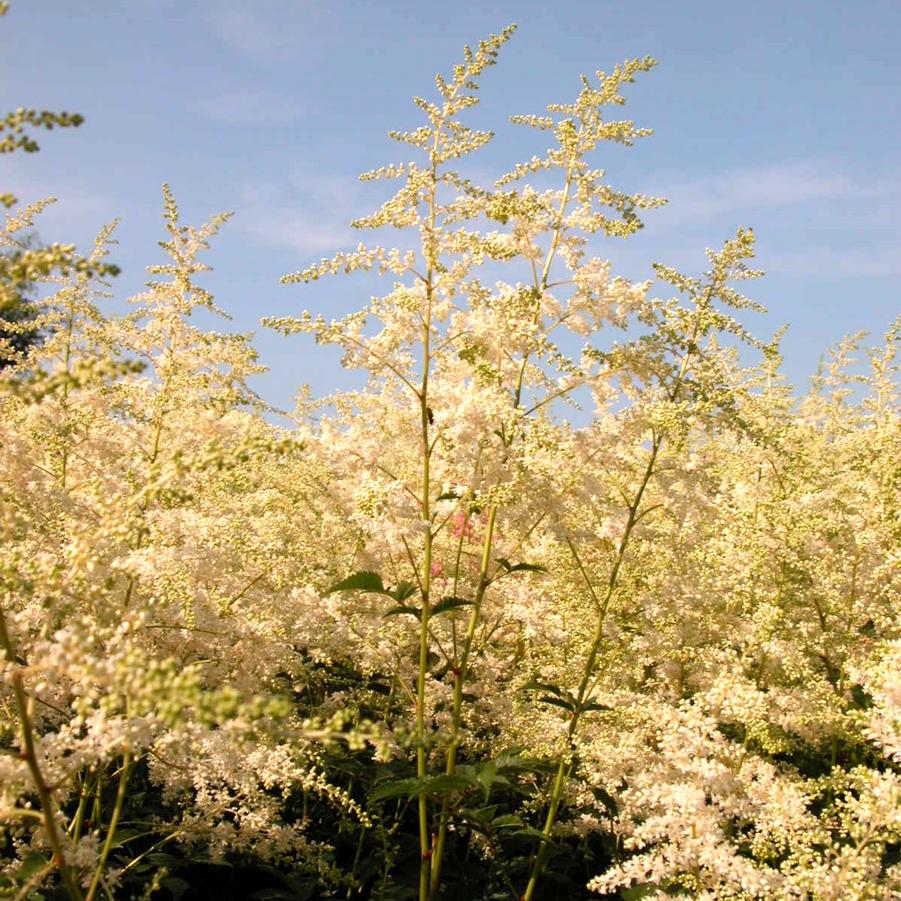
x: 435, y: 639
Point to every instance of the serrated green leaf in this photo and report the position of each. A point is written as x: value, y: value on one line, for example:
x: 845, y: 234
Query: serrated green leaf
x: 534, y: 685
x: 557, y: 702
x: 487, y: 776
x: 403, y: 591
x: 512, y: 761
x: 520, y: 567
x: 439, y: 785
x: 413, y: 788
x: 482, y: 816
x: 486, y: 772
x: 125, y: 835
x: 403, y: 609
x: 397, y: 893
x: 446, y: 604
x: 594, y: 705
x: 529, y: 832
x: 509, y: 820
x: 394, y: 788
x: 361, y: 581
x: 176, y: 887
x: 32, y: 864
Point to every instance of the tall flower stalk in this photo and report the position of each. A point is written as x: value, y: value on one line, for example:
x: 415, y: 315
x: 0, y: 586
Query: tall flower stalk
x: 449, y: 256
x: 683, y: 337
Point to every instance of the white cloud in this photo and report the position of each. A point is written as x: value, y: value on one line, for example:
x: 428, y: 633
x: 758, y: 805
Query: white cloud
x: 306, y: 213
x: 819, y: 261
x: 249, y: 29
x: 797, y: 207
x: 788, y: 183
x: 77, y: 215
x: 309, y: 212
x: 297, y: 229
x: 250, y: 108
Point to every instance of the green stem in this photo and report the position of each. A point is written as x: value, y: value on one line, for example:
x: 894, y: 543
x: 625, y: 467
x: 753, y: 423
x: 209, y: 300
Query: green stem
x: 155, y: 847
x: 356, y: 863
x: 29, y: 754
x: 111, y: 828
x: 67, y: 364
x: 565, y: 765
x: 461, y: 669
x: 78, y: 819
x: 541, y: 285
x: 426, y: 579
x: 425, y: 583
x: 564, y: 770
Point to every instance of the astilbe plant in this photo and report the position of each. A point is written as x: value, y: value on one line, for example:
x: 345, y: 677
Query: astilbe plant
x: 435, y: 639
x: 130, y: 652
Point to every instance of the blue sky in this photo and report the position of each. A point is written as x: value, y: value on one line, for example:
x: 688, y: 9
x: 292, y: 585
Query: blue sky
x: 782, y: 115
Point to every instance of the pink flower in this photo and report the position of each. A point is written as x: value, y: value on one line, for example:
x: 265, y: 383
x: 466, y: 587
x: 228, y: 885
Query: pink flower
x: 462, y: 526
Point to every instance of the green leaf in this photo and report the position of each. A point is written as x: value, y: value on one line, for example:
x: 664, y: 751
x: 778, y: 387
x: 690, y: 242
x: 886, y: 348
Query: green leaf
x: 557, y: 702
x: 509, y: 820
x: 398, y: 893
x: 372, y: 582
x: 413, y: 788
x: 481, y: 817
x: 535, y: 685
x: 361, y: 581
x: 513, y: 761
x: 403, y: 609
x: 394, y: 788
x: 122, y: 836
x: 520, y: 567
x: 559, y: 697
x: 486, y: 772
x: 594, y: 705
x: 446, y: 604
x: 487, y: 776
x: 403, y: 591
x: 176, y: 887
x: 860, y: 699
x: 439, y: 785
x: 529, y: 832
x: 32, y: 864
